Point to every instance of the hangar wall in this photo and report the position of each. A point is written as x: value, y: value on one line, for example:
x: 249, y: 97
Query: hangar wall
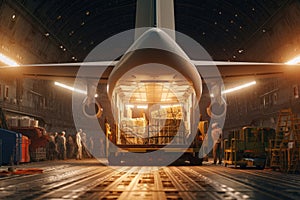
x: 276, y: 41
x: 24, y: 39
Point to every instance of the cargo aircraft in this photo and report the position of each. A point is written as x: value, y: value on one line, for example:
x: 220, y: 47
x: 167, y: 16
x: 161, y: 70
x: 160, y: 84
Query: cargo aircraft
x: 154, y: 88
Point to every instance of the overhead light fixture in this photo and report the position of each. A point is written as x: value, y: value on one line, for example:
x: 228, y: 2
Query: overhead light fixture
x: 142, y: 106
x: 141, y: 99
x: 170, y: 105
x: 72, y: 88
x: 239, y: 87
x: 129, y: 106
x: 293, y: 61
x: 165, y: 106
x: 236, y: 88
x: 8, y: 61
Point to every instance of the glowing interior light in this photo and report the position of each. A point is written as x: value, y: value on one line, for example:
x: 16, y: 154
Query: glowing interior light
x: 142, y: 106
x: 293, y: 61
x: 165, y: 106
x: 140, y: 99
x: 170, y: 105
x: 8, y: 61
x: 239, y: 87
x: 70, y: 88
x: 129, y: 106
x: 236, y: 88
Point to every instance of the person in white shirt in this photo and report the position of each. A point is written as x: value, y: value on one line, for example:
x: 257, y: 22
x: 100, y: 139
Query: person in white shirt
x: 216, y: 134
x: 79, y: 145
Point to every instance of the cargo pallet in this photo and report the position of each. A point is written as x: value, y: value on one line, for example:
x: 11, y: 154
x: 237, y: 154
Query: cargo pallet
x: 38, y: 154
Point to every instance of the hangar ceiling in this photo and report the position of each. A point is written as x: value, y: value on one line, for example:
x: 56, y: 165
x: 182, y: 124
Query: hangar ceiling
x: 222, y: 27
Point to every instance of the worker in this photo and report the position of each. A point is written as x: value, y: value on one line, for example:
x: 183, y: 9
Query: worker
x: 70, y: 147
x: 78, y: 145
x: 216, y: 134
x: 91, y: 146
x: 107, y: 130
x: 52, y: 148
x: 61, y: 146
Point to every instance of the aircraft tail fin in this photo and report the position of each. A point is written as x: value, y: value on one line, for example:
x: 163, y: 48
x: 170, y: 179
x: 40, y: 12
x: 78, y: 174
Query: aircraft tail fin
x: 155, y: 13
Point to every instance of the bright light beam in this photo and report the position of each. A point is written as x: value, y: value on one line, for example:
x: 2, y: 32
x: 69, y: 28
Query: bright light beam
x: 70, y: 88
x: 293, y: 61
x: 8, y: 61
x: 239, y: 87
x: 142, y: 106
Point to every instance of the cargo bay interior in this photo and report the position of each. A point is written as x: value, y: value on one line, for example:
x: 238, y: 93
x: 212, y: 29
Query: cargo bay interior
x: 151, y: 106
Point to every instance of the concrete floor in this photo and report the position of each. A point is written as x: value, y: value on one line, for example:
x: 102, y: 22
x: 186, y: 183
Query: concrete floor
x: 90, y: 179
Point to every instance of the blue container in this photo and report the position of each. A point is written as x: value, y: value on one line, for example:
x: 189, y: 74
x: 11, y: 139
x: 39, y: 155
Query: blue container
x: 11, y: 145
x: 18, y: 155
x: 0, y: 152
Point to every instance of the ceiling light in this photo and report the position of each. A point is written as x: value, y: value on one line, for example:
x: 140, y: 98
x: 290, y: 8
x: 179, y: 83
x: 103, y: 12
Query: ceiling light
x: 140, y: 99
x: 166, y: 99
x: 295, y: 60
x: 239, y: 87
x: 142, y: 106
x: 129, y: 106
x: 8, y: 61
x: 169, y: 105
x: 236, y: 88
x: 70, y: 88
x: 73, y: 89
x: 165, y: 106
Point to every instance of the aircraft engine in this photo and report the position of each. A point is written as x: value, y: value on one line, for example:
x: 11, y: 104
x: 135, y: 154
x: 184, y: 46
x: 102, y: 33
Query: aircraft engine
x: 91, y: 108
x: 217, y: 108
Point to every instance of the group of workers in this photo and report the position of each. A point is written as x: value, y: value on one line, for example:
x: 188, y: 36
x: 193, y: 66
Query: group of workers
x: 60, y: 147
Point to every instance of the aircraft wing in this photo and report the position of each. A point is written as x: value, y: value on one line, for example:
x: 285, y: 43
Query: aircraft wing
x: 237, y: 70
x: 59, y: 71
x: 68, y: 71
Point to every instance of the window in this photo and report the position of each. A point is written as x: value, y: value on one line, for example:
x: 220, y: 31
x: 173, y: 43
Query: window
x: 275, y: 98
x: 296, y: 91
x: 6, y: 92
x: 1, y: 96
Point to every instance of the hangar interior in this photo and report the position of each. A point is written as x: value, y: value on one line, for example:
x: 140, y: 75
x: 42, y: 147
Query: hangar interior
x: 47, y: 32
x: 154, y: 107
